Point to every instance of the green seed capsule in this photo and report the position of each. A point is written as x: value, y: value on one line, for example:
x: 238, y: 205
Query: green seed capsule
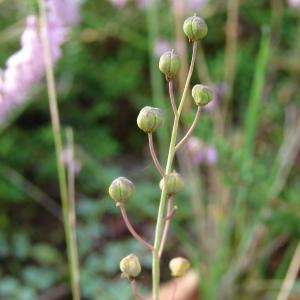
x: 175, y: 183
x: 179, y: 266
x: 195, y: 28
x: 130, y: 266
x: 202, y: 94
x: 121, y: 189
x: 149, y: 119
x: 169, y: 64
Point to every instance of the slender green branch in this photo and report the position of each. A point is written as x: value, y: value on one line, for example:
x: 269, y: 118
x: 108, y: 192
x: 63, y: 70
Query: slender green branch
x: 187, y: 135
x: 172, y: 99
x: 131, y: 229
x: 171, y: 153
x: 58, y: 147
x: 154, y: 156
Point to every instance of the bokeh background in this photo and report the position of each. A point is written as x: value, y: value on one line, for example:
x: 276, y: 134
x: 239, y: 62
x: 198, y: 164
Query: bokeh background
x: 242, y: 171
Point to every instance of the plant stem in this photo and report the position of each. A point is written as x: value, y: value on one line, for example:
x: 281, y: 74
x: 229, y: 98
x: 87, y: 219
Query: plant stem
x: 131, y: 229
x: 187, y: 135
x: 135, y: 290
x: 174, y: 289
x: 171, y: 93
x: 291, y: 275
x: 58, y: 148
x: 154, y: 156
x: 72, y: 210
x: 171, y: 154
x: 166, y: 226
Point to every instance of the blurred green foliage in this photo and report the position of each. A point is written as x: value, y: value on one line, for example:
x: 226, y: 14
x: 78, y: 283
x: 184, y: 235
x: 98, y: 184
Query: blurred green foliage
x: 103, y: 80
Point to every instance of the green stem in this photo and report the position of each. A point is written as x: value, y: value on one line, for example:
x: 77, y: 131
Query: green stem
x: 162, y: 204
x: 71, y: 250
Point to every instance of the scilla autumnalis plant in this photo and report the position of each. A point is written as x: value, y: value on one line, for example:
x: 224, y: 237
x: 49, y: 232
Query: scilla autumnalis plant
x: 149, y: 120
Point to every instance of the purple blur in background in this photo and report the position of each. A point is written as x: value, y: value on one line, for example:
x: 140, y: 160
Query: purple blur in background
x: 26, y: 67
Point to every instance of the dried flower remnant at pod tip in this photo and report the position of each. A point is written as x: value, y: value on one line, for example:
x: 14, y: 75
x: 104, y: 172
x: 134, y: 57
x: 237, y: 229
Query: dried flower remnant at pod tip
x: 175, y: 183
x: 179, y: 266
x: 149, y: 119
x: 195, y: 28
x: 130, y: 266
x: 169, y: 64
x: 121, y: 189
x: 202, y: 94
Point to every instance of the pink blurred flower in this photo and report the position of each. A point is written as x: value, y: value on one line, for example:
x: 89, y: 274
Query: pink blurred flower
x: 143, y: 4
x: 201, y: 154
x: 73, y: 164
x: 26, y: 67
x: 211, y: 155
x: 196, y: 5
x: 294, y: 3
x: 161, y: 46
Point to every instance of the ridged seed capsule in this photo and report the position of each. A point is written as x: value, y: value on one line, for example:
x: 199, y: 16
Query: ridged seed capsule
x: 195, y: 28
x: 169, y: 64
x: 121, y: 189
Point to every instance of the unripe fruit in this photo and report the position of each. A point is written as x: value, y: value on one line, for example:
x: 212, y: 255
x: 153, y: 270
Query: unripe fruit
x: 130, y: 266
x: 121, y: 189
x: 149, y: 119
x: 195, y: 28
x: 175, y: 183
x: 179, y: 266
x: 202, y: 94
x: 169, y: 64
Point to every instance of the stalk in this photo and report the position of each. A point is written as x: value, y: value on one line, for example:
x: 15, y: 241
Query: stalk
x: 162, y: 203
x: 55, y: 121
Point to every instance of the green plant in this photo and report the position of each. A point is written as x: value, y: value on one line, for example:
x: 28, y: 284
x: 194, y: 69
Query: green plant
x: 149, y: 120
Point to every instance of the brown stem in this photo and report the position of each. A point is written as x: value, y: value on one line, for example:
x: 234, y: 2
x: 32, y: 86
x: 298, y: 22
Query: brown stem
x: 166, y: 227
x: 174, y: 289
x: 135, y: 290
x: 154, y: 156
x: 171, y: 93
x: 171, y: 214
x: 131, y: 229
x: 187, y: 135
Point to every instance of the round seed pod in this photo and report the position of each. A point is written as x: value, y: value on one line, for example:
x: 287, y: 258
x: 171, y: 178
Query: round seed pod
x: 175, y: 183
x: 179, y: 266
x: 121, y: 189
x: 202, y: 94
x: 130, y: 266
x: 195, y: 28
x: 149, y: 119
x: 169, y: 64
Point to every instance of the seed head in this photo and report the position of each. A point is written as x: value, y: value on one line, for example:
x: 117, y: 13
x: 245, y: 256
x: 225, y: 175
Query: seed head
x: 179, y: 266
x: 149, y: 119
x: 202, y: 94
x: 195, y: 28
x: 175, y: 183
x: 121, y: 189
x: 130, y: 266
x: 169, y: 64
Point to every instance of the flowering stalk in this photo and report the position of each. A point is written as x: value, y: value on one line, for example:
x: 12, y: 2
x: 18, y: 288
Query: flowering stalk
x: 171, y: 154
x: 149, y: 120
x: 71, y: 247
